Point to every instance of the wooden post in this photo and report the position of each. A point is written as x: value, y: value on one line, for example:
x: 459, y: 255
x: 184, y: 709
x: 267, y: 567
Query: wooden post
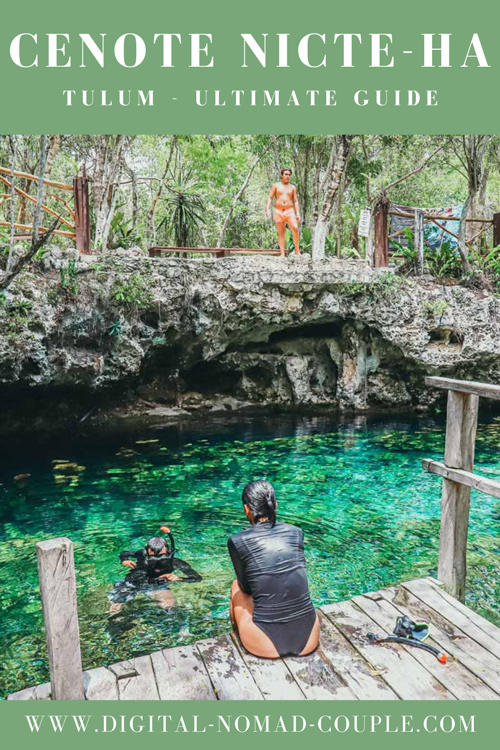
x: 418, y: 239
x: 496, y: 230
x: 56, y: 571
x: 381, y: 254
x: 82, y: 214
x: 461, y: 426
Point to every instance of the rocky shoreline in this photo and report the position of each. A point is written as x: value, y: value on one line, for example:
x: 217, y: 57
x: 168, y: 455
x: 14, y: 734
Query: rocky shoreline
x: 86, y: 339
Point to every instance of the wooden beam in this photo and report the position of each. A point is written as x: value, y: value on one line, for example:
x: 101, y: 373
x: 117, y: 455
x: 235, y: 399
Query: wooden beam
x: 431, y: 217
x: 34, y: 200
x: 488, y: 390
x: 418, y: 239
x: 56, y: 571
x: 26, y: 176
x: 496, y: 230
x: 82, y: 214
x: 381, y: 253
x: 461, y: 426
x: 475, y: 481
x: 28, y: 227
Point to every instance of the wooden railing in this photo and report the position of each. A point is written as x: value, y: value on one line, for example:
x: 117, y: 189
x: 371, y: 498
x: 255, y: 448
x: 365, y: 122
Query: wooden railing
x: 420, y: 217
x: 459, y: 477
x: 219, y: 252
x: 75, y: 220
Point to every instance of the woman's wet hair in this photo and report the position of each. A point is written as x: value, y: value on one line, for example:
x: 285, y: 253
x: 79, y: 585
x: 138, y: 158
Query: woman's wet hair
x: 286, y: 169
x: 260, y: 498
x: 156, y: 544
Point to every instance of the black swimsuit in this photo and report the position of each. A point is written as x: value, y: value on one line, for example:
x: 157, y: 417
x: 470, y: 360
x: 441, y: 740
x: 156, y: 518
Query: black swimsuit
x: 270, y: 566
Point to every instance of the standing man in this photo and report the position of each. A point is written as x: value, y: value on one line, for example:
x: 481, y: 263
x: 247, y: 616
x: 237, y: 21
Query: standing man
x: 286, y: 209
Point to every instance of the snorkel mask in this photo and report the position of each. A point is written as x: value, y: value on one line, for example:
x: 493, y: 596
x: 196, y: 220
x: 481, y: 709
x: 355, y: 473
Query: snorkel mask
x: 157, y: 565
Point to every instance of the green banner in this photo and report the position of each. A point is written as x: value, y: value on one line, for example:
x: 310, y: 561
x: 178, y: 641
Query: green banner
x: 381, y: 724
x: 228, y: 67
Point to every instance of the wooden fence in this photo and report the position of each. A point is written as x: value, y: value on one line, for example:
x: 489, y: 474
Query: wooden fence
x: 420, y: 218
x: 75, y: 219
x: 458, y: 476
x: 219, y: 252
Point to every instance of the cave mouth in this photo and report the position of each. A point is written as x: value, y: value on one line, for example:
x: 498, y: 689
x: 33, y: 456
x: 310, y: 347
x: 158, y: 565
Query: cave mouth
x: 331, y: 330
x: 210, y: 377
x: 445, y: 336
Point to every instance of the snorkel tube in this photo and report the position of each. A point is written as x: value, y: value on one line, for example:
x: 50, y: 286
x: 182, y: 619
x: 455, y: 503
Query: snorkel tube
x: 166, y: 530
x: 410, y: 633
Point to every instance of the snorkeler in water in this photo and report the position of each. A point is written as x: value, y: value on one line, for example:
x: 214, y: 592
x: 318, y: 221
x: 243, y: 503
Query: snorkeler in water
x: 151, y: 572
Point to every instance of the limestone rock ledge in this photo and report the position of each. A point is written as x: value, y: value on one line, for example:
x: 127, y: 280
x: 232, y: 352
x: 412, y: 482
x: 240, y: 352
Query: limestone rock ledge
x: 193, y: 334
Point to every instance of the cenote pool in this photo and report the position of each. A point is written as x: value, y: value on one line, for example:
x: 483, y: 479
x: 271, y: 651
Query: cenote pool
x: 369, y: 513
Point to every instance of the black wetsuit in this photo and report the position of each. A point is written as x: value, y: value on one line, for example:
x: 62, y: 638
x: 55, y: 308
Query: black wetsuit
x: 270, y: 566
x: 145, y: 577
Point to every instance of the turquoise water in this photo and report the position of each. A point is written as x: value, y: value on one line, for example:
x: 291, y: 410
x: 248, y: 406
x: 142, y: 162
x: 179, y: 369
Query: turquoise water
x: 370, y: 516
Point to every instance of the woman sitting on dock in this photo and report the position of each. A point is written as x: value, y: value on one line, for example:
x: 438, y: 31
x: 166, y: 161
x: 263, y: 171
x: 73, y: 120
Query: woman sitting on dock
x: 270, y: 603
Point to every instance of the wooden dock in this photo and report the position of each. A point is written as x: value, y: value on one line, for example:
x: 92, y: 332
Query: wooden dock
x: 345, y: 667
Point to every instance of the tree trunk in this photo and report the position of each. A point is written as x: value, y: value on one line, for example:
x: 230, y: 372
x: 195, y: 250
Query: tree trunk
x: 52, y: 151
x: 320, y: 230
x: 108, y: 168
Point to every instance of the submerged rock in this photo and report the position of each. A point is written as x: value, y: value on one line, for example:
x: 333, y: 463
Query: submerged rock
x: 175, y: 336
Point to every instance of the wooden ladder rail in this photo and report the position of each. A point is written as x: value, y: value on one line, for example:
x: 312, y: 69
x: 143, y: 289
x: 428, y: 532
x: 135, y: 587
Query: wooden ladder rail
x: 458, y: 476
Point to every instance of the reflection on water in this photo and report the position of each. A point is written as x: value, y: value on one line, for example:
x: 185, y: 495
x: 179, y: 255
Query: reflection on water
x: 369, y: 514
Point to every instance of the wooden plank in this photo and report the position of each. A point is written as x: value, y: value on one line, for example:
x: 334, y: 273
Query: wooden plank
x: 479, y: 620
x: 409, y: 679
x: 142, y: 686
x: 26, y: 176
x: 28, y: 227
x: 228, y: 672
x: 318, y: 679
x: 181, y: 675
x: 272, y: 676
x: 475, y: 481
x: 461, y: 427
x: 471, y: 623
x: 364, y: 682
x: 45, y: 208
x: 100, y: 685
x: 488, y: 390
x: 381, y: 254
x: 124, y: 669
x: 28, y: 694
x: 454, y: 675
x: 56, y: 572
x: 482, y: 670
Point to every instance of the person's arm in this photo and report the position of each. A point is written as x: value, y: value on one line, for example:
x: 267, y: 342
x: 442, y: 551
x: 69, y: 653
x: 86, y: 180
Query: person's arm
x: 190, y: 574
x: 296, y: 202
x: 270, y: 200
x: 238, y: 567
x: 126, y: 555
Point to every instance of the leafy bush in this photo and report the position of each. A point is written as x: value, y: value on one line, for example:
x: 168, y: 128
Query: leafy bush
x: 68, y: 278
x: 133, y: 292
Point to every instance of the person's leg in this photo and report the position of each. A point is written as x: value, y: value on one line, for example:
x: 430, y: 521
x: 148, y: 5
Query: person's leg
x: 280, y: 226
x: 313, y: 641
x: 252, y: 637
x: 292, y: 223
x: 164, y: 598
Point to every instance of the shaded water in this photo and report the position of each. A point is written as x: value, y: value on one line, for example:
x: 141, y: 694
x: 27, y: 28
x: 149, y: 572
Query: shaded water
x: 369, y: 514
